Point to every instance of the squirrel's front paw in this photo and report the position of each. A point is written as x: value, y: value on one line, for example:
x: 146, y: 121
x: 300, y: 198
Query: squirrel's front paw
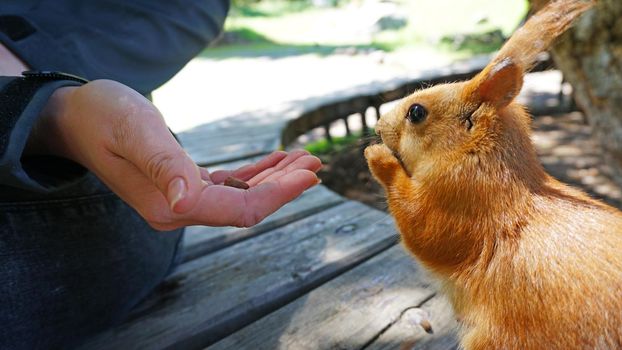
x: 379, y: 153
x: 382, y: 163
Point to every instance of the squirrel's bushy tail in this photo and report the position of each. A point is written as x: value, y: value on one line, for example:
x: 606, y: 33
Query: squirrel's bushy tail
x: 537, y: 34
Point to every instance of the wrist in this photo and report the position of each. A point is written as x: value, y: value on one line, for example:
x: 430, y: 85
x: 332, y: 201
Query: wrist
x: 47, y: 136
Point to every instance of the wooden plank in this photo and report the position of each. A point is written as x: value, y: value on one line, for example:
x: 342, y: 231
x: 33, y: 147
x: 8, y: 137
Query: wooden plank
x: 226, y: 137
x: 211, y: 297
x: 372, y: 95
x: 352, y: 311
x: 234, y: 138
x: 234, y: 127
x: 341, y: 104
x: 212, y: 153
x: 202, y: 240
x: 407, y: 334
x: 251, y: 120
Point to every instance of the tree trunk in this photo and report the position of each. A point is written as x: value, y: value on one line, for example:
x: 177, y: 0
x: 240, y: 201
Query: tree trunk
x: 590, y: 57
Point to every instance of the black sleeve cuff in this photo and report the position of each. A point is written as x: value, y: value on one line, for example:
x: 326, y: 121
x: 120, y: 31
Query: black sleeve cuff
x: 21, y: 101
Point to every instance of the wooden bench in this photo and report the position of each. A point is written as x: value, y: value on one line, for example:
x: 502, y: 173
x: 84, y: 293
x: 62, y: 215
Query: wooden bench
x: 323, y: 272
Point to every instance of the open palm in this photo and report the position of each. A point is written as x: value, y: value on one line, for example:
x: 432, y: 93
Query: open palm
x: 121, y: 137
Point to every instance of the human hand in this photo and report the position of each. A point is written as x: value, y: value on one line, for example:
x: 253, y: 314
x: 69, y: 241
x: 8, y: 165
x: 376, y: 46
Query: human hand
x: 121, y: 137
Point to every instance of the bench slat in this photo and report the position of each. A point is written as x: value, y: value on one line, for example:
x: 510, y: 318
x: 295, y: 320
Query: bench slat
x: 211, y: 297
x: 202, y: 240
x: 354, y: 311
x: 405, y: 335
x: 220, y: 152
x: 232, y: 139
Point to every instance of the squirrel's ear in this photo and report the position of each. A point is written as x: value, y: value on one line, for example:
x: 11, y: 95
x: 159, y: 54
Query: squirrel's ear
x: 499, y: 83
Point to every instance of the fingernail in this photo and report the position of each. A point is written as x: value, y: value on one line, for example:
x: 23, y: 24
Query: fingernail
x: 176, y: 191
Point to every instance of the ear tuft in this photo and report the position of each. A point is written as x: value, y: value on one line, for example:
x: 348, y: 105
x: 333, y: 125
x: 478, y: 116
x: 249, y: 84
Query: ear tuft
x: 499, y: 83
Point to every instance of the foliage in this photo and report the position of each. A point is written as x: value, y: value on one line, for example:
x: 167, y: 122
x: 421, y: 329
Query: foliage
x: 267, y: 8
x: 324, y: 147
x: 298, y: 26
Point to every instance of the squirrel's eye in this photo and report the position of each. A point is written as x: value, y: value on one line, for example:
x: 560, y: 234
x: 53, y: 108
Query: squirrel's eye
x: 416, y: 113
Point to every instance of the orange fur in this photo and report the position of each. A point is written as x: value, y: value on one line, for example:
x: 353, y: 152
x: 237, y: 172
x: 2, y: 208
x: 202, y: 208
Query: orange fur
x: 527, y: 262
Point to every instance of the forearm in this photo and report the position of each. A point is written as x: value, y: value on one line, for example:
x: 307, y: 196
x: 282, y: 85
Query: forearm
x: 43, y: 131
x: 47, y: 135
x: 30, y: 111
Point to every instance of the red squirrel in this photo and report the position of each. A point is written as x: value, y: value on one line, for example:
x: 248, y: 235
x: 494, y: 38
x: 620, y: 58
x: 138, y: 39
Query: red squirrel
x: 526, y: 261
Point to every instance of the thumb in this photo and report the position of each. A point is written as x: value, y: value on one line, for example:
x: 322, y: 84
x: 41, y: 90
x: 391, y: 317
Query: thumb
x: 175, y: 174
x: 159, y: 157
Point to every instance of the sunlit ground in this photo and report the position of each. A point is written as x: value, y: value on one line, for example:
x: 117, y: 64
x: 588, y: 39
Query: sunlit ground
x: 390, y: 25
x: 288, y: 51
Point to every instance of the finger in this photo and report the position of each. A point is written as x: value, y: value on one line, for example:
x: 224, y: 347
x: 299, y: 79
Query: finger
x: 228, y: 206
x: 308, y: 162
x: 145, y: 141
x: 268, y: 162
x: 291, y: 157
x: 246, y: 172
x: 266, y: 198
x: 205, y: 175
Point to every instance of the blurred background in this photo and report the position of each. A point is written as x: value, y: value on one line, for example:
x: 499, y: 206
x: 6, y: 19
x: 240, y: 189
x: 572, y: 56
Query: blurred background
x: 274, y: 51
x: 278, y: 58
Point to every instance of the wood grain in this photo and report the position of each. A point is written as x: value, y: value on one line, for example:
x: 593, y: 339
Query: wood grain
x: 208, y: 298
x: 406, y: 334
x: 211, y: 153
x: 352, y: 311
x: 202, y: 240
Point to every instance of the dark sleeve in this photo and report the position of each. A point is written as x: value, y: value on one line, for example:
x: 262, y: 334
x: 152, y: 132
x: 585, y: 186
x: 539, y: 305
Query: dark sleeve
x: 140, y: 43
x: 21, y: 105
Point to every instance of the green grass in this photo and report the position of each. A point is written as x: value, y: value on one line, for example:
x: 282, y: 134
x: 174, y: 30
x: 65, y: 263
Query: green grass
x: 276, y: 50
x: 249, y: 35
x: 267, y: 8
x: 431, y: 20
x: 324, y: 147
x: 296, y: 27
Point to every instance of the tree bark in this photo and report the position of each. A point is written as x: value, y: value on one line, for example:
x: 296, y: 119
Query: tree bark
x: 590, y: 58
